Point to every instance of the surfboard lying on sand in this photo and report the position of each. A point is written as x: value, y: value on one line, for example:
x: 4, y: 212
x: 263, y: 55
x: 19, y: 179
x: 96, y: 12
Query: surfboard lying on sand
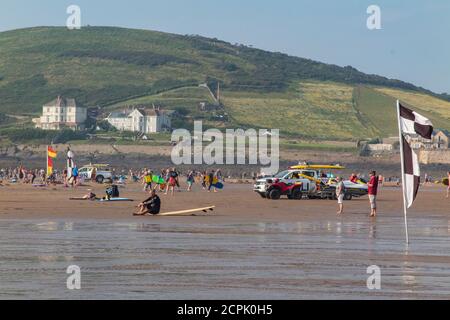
x: 187, y: 212
x: 102, y: 200
x: 115, y: 199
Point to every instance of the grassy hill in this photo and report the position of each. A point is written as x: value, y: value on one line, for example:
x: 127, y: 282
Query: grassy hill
x: 116, y: 67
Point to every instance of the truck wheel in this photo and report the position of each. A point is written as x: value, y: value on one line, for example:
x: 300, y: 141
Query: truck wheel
x: 274, y: 194
x: 262, y: 194
x: 348, y: 196
x: 296, y: 194
x: 99, y: 179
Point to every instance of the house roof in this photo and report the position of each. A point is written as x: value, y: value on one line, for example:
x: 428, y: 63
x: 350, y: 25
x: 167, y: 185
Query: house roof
x: 119, y: 114
x: 446, y: 132
x: 62, y: 102
x: 149, y: 112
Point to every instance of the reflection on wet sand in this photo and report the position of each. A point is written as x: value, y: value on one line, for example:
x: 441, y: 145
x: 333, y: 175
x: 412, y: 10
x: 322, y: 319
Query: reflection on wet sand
x: 173, y: 260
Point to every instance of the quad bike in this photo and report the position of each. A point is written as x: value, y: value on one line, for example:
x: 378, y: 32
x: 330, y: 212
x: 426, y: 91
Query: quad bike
x: 278, y: 189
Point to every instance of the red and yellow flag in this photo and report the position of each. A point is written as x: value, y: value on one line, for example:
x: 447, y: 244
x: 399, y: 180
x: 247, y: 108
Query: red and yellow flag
x: 51, y: 154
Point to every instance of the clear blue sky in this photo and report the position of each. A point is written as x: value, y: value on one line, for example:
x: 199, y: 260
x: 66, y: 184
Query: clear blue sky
x: 413, y: 44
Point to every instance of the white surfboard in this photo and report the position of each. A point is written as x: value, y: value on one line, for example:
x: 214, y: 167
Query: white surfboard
x: 186, y: 212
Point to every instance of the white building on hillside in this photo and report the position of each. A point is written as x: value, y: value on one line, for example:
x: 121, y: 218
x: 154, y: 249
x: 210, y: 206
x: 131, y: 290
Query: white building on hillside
x: 140, y: 120
x: 62, y: 113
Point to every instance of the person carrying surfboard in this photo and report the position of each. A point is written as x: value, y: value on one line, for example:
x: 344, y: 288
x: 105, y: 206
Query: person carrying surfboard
x: 151, y: 205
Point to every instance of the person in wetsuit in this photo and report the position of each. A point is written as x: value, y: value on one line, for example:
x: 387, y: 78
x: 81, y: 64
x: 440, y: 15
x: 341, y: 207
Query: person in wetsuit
x: 151, y: 205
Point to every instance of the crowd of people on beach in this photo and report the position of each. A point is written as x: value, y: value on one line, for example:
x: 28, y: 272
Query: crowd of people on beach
x: 39, y: 177
x: 167, y: 181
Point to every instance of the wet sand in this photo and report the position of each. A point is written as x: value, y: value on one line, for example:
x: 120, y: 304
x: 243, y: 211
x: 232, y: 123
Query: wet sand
x: 249, y: 248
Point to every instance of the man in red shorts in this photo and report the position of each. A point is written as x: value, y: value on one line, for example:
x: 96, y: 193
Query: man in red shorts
x: 373, y: 189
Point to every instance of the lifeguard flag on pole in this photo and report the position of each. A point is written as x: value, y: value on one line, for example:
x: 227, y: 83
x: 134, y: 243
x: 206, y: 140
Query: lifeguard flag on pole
x: 51, y: 154
x: 412, y: 122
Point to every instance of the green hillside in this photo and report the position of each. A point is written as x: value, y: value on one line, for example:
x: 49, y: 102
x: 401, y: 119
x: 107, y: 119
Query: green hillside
x: 116, y: 67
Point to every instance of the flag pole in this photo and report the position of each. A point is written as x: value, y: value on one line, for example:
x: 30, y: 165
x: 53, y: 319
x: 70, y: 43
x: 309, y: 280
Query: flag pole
x: 46, y: 160
x: 403, y: 169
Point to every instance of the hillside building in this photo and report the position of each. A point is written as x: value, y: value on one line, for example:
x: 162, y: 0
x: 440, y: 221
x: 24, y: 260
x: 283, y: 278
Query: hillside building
x: 440, y: 139
x: 62, y: 113
x: 140, y: 120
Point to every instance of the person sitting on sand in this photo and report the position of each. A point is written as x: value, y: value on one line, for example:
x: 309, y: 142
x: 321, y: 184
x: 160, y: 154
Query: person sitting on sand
x: 151, y: 205
x: 90, y: 196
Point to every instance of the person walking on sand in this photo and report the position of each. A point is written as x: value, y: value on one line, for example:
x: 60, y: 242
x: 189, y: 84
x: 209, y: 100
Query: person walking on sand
x: 190, y: 180
x: 204, y: 178
x: 340, y: 191
x: 147, y: 180
x: 74, y: 176
x: 373, y: 189
x: 211, y: 178
x: 172, y: 181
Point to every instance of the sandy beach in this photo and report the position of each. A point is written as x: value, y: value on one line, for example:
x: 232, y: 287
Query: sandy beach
x: 248, y: 248
x: 237, y: 202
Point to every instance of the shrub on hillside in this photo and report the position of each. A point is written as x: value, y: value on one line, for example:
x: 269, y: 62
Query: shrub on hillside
x: 42, y: 136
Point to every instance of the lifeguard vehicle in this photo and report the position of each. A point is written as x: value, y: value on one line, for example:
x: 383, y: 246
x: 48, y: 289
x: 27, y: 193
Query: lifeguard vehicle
x: 307, y: 181
x: 97, y: 172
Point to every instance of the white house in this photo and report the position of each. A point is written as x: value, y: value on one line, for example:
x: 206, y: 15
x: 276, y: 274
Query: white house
x: 62, y: 113
x: 140, y: 120
x: 440, y: 139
